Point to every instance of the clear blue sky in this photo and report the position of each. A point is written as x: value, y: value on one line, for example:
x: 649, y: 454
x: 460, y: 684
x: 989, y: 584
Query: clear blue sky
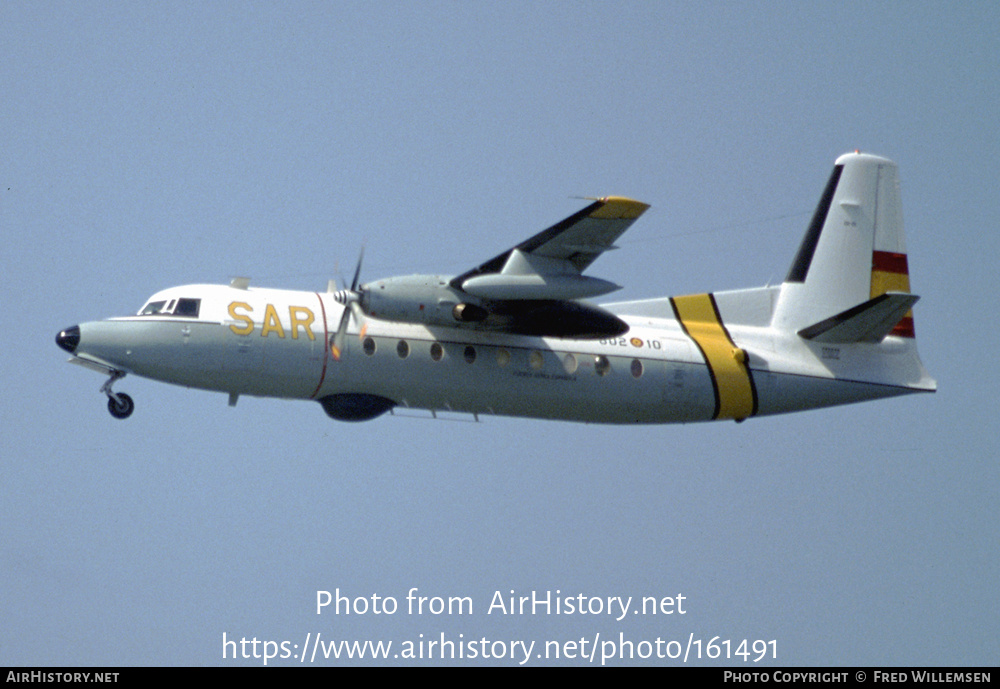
x: 149, y: 145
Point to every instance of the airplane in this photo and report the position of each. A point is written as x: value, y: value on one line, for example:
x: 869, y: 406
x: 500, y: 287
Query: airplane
x: 516, y: 336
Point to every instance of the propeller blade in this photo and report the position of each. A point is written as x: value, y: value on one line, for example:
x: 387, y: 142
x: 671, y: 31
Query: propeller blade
x: 357, y: 271
x: 338, y: 338
x: 351, y: 308
x: 351, y: 298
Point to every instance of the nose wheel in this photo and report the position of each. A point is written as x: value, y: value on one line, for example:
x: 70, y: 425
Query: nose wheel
x: 120, y: 405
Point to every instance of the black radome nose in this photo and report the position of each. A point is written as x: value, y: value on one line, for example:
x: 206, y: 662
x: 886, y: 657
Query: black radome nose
x: 69, y: 338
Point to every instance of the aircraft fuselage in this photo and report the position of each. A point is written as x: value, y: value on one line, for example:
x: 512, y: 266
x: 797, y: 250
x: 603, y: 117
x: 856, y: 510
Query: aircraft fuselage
x: 279, y: 343
x: 514, y: 337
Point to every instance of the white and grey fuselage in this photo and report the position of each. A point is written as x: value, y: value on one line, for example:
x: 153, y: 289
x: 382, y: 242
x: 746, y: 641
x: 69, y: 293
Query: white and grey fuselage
x: 514, y: 337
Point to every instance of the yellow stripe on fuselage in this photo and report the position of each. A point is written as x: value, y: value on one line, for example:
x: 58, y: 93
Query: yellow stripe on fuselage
x: 735, y: 397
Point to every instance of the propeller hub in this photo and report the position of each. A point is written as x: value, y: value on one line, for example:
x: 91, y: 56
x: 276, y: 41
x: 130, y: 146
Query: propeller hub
x: 346, y: 296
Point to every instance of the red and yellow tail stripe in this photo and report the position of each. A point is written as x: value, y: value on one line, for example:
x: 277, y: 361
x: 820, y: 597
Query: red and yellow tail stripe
x: 732, y: 381
x: 890, y: 273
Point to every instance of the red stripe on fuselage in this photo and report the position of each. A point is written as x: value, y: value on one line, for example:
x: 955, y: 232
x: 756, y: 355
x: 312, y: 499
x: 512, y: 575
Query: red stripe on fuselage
x: 326, y: 348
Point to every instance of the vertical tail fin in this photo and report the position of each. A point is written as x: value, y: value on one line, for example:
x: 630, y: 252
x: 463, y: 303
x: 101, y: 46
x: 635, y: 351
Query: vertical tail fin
x: 853, y: 250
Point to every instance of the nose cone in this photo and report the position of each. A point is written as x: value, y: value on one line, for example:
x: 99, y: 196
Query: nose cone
x: 69, y: 338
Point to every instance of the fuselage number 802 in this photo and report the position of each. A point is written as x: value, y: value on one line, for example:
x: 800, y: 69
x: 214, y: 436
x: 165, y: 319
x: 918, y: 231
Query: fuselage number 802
x: 632, y: 342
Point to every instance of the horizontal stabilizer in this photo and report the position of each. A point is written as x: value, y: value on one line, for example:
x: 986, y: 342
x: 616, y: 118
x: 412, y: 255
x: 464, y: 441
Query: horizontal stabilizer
x: 867, y: 322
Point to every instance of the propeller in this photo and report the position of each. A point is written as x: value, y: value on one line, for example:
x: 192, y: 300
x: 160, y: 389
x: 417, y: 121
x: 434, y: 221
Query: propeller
x: 351, y: 298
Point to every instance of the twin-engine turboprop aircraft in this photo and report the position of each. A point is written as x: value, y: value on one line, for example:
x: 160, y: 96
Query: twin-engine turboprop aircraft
x: 515, y: 337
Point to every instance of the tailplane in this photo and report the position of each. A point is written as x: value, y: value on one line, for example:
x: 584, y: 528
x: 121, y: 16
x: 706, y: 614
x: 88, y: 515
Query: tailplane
x: 869, y: 322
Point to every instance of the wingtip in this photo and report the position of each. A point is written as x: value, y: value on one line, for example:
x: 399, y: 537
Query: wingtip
x: 619, y: 207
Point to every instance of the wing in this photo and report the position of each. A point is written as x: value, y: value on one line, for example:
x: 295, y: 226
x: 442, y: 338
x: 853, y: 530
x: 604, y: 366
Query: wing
x: 548, y: 266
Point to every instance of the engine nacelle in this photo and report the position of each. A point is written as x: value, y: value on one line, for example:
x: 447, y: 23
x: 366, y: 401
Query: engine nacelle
x: 431, y: 300
x: 427, y: 299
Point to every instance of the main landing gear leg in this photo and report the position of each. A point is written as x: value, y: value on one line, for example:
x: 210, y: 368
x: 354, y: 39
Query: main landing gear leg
x: 120, y: 405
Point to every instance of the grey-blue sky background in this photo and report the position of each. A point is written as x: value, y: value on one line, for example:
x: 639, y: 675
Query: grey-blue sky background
x: 149, y: 145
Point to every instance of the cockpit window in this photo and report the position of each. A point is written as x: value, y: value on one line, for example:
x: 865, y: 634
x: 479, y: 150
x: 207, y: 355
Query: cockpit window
x: 187, y: 308
x: 152, y: 307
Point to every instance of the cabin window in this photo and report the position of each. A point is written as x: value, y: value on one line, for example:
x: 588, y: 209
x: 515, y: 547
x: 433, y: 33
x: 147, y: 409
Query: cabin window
x: 570, y: 364
x: 602, y: 365
x: 536, y: 360
x: 503, y: 357
x: 469, y: 354
x: 437, y: 351
x: 402, y: 349
x: 369, y: 346
x: 636, y: 368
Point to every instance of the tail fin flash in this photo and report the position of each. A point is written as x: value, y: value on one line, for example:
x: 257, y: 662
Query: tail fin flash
x: 890, y: 273
x: 853, y: 251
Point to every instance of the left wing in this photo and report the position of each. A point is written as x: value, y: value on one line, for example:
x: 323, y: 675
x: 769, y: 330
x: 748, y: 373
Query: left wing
x: 548, y: 266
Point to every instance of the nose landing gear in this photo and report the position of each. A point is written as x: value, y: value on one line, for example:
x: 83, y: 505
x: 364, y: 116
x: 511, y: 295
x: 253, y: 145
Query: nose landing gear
x: 120, y: 405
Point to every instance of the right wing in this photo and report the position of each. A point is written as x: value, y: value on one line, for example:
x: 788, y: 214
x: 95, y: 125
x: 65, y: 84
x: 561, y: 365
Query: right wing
x: 549, y: 264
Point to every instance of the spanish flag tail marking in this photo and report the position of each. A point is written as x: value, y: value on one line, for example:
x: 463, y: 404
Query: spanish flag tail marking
x: 890, y: 273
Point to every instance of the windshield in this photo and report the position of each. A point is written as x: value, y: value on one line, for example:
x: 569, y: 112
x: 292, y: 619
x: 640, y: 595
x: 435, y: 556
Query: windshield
x: 187, y: 308
x: 153, y: 307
